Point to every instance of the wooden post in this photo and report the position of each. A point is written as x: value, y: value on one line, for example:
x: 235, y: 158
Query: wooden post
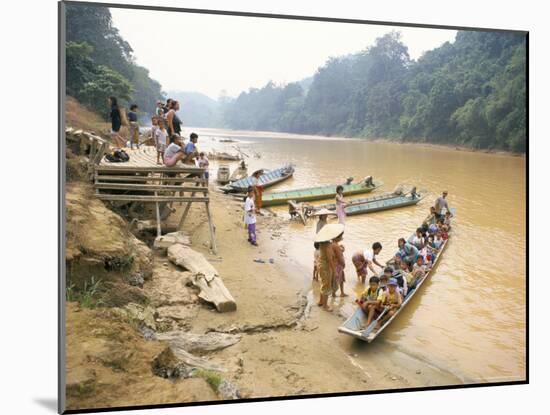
x: 185, y: 212
x: 211, y: 226
x: 159, y: 230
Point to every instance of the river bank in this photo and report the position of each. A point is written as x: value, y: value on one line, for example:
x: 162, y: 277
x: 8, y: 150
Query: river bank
x: 287, y: 345
x: 290, y: 346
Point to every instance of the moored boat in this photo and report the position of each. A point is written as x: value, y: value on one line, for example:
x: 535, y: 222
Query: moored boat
x: 267, y: 179
x: 318, y: 193
x: 378, y: 203
x: 356, y: 325
x: 223, y: 174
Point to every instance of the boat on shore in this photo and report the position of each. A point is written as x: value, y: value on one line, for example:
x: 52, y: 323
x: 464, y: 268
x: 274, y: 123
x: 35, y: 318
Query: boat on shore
x: 385, y: 201
x: 318, y: 193
x: 267, y: 179
x: 356, y: 325
x: 222, y: 156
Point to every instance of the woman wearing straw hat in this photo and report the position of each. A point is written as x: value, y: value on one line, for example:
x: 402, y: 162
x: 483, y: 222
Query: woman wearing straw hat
x: 327, y: 260
x: 322, y: 214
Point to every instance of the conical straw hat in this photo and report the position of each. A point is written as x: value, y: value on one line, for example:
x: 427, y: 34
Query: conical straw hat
x: 329, y: 232
x: 324, y: 211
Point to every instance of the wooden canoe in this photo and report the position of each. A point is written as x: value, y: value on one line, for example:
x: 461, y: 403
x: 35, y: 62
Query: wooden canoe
x: 379, y: 203
x: 356, y: 325
x: 269, y: 178
x: 316, y: 193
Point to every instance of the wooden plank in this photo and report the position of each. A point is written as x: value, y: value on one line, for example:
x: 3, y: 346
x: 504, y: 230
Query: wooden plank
x: 100, y: 152
x: 120, y: 178
x: 145, y: 198
x: 149, y: 187
x: 212, y: 232
x: 118, y: 167
x: 157, y: 209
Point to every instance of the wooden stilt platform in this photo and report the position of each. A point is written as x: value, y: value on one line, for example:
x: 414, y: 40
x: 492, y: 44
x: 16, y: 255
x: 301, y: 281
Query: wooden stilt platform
x: 142, y: 184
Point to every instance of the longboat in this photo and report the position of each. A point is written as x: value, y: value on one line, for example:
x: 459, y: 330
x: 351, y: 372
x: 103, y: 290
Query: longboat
x: 356, y: 325
x: 269, y: 178
x: 385, y: 201
x: 310, y: 194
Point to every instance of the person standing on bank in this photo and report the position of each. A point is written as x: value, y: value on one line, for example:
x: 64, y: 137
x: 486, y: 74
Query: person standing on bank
x: 440, y: 203
x: 116, y: 122
x: 340, y: 205
x: 134, y: 126
x: 174, y: 123
x: 250, y: 216
x: 327, y: 260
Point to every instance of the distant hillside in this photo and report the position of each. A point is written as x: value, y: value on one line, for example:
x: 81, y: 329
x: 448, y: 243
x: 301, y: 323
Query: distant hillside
x: 196, y: 109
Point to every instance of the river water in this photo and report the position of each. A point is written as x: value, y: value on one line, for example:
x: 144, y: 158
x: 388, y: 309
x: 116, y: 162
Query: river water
x: 469, y: 318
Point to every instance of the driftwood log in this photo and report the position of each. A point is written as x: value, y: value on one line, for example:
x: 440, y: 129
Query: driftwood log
x: 204, y: 276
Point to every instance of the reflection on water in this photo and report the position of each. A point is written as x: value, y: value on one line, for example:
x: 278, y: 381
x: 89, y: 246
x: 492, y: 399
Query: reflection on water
x: 470, y: 317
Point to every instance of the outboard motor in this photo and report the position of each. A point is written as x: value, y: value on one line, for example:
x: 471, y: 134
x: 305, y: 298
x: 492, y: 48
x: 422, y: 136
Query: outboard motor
x: 369, y: 181
x: 349, y: 180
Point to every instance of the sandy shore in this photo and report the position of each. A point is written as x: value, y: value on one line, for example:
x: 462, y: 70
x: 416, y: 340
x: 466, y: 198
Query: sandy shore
x: 289, y: 345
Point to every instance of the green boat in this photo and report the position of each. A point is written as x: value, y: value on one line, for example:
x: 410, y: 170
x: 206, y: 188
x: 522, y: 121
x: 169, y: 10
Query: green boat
x: 378, y: 203
x: 318, y: 193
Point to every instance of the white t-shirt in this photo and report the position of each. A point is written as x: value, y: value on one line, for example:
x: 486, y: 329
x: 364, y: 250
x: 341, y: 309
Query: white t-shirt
x: 249, y: 211
x: 160, y: 138
x: 369, y: 255
x: 171, y: 150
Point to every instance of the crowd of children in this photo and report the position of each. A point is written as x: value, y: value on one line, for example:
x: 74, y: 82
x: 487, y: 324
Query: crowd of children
x: 402, y: 274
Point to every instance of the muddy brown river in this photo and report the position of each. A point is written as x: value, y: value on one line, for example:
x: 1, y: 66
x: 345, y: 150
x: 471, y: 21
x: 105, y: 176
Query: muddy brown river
x: 469, y: 318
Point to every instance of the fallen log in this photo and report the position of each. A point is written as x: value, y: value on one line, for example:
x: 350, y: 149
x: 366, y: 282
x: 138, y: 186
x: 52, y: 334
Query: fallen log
x: 204, y: 276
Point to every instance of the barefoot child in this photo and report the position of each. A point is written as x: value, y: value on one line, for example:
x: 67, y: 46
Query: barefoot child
x: 340, y: 277
x: 160, y: 140
x: 316, y: 255
x: 203, y: 163
x: 134, y: 126
x: 250, y: 216
x: 390, y: 300
x: 368, y: 300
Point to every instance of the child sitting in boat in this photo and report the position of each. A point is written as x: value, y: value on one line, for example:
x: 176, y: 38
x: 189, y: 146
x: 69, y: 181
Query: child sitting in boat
x: 442, y: 228
x: 408, y: 276
x: 390, y: 300
x: 383, y: 281
x: 447, y: 220
x: 438, y: 240
x: 368, y: 301
x: 395, y: 272
x: 418, y: 239
x: 420, y: 268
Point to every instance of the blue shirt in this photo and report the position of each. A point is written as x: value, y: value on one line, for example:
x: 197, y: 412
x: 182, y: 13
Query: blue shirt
x: 132, y: 116
x: 189, y: 148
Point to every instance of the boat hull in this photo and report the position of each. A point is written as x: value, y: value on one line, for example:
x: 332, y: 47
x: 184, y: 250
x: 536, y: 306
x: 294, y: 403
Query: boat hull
x: 354, y: 326
x: 376, y: 204
x: 313, y: 194
x: 266, y: 180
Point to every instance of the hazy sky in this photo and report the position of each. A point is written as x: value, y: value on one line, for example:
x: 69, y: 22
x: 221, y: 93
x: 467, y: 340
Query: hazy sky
x: 209, y: 53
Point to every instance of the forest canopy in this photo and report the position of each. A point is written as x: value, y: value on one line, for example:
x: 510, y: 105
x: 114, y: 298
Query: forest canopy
x: 100, y: 63
x: 471, y: 92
